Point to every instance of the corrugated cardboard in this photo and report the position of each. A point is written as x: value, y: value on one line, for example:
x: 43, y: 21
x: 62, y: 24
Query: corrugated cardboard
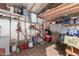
x: 51, y: 51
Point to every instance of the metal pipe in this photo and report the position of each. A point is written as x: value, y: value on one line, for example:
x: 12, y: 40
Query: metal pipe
x: 10, y: 32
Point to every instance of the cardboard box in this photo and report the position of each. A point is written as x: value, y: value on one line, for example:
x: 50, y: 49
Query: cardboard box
x: 51, y: 51
x: 4, y: 6
x: 72, y: 41
x: 2, y: 51
x: 55, y: 36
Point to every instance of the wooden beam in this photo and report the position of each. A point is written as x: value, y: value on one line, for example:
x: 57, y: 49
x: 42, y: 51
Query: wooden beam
x: 68, y: 11
x: 59, y: 10
x: 64, y: 9
x: 53, y: 9
x: 32, y: 6
x: 49, y: 6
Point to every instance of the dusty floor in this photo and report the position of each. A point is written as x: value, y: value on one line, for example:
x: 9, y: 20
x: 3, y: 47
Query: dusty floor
x: 40, y: 50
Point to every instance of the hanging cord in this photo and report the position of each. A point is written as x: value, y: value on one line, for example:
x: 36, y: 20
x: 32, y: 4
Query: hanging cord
x: 20, y: 30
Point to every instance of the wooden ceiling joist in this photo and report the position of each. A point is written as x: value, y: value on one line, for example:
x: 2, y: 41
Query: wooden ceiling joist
x: 59, y: 9
x: 49, y: 6
x: 74, y: 9
x: 62, y: 9
x: 32, y: 6
x: 59, y: 12
x: 53, y: 9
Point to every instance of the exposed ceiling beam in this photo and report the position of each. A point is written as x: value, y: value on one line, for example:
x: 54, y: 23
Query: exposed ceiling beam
x: 32, y: 6
x: 74, y: 9
x: 37, y: 7
x: 42, y: 6
x: 51, y: 10
x: 49, y: 6
x: 60, y: 10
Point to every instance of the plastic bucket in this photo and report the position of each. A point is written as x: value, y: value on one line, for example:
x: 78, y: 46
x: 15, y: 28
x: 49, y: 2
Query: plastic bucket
x: 30, y: 44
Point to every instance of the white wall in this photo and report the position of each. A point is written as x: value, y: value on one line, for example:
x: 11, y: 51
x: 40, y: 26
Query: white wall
x: 4, y: 43
x: 4, y: 38
x: 4, y: 23
x: 57, y: 27
x: 5, y: 32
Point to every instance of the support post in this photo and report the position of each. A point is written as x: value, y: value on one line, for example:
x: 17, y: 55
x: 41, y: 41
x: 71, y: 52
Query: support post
x: 10, y: 33
x: 18, y: 31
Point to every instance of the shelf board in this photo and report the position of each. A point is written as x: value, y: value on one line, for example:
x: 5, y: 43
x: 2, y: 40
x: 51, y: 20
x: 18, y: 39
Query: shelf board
x: 67, y: 25
x: 10, y: 13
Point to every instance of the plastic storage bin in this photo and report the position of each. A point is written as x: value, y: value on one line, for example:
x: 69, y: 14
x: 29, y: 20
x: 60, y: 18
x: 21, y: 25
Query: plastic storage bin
x: 72, y: 22
x: 66, y: 20
x: 30, y: 44
x: 77, y: 21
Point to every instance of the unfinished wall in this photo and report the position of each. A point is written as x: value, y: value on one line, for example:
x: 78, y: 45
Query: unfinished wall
x: 56, y: 27
x: 4, y: 37
x: 5, y: 29
x: 4, y: 23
